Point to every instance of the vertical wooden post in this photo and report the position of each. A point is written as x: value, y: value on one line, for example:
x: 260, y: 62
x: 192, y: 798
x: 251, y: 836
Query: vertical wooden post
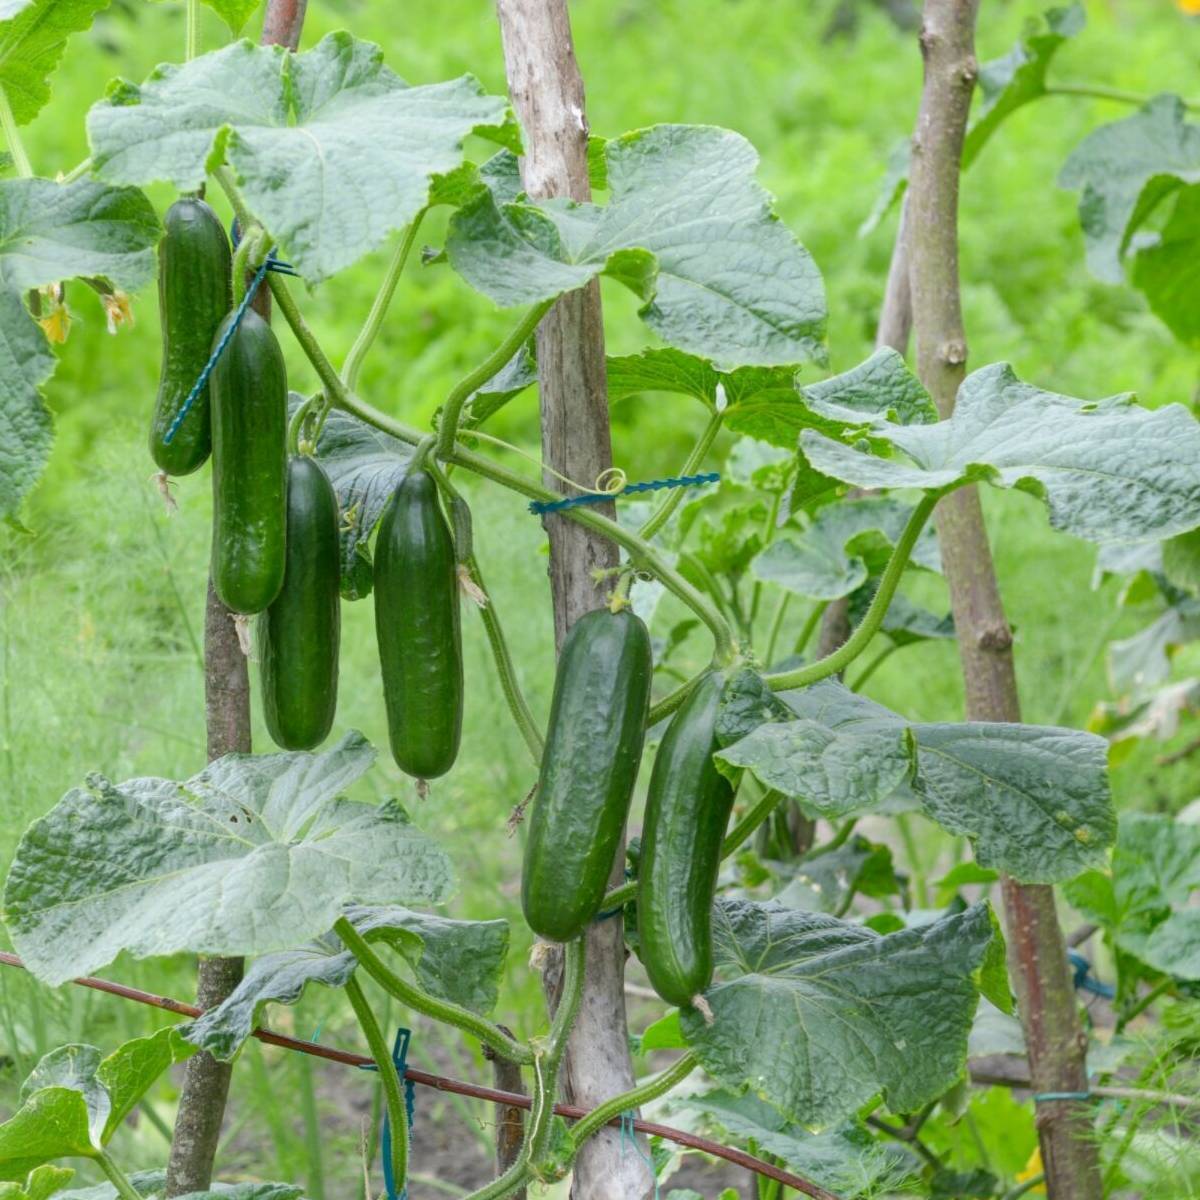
x: 227, y: 726
x: 1037, y: 951
x: 548, y: 96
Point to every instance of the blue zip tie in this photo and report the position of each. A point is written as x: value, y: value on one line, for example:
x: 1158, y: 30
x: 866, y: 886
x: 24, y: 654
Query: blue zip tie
x: 400, y: 1060
x: 629, y: 1136
x: 541, y: 507
x: 276, y: 265
x: 218, y: 350
x: 1039, y: 1097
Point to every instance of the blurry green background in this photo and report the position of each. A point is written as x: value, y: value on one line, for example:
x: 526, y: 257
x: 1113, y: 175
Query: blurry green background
x: 101, y: 608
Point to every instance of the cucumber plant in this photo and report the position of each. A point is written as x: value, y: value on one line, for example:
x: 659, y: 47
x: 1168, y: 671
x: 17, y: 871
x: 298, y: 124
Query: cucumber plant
x: 803, y: 1018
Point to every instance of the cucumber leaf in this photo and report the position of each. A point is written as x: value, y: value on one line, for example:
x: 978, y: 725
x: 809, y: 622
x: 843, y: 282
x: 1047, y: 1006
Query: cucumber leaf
x: 43, y: 1182
x: 1108, y: 470
x: 50, y: 232
x: 456, y: 960
x: 235, y: 13
x: 1124, y: 171
x: 151, y: 1183
x: 880, y: 386
x: 332, y: 150
x: 1166, y: 271
x: 255, y: 854
x: 33, y: 36
x: 686, y: 227
x: 75, y: 1099
x: 816, y: 1016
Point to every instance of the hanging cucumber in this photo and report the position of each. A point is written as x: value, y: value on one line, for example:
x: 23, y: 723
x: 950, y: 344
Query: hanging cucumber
x: 589, y: 766
x: 249, y: 434
x: 193, y: 298
x: 687, y: 809
x: 298, y: 634
x: 417, y: 628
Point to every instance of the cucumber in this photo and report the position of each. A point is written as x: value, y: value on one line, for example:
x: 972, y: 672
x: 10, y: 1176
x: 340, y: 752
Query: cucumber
x: 687, y: 809
x: 590, y: 764
x: 194, y: 266
x: 417, y: 629
x: 249, y: 434
x: 298, y: 634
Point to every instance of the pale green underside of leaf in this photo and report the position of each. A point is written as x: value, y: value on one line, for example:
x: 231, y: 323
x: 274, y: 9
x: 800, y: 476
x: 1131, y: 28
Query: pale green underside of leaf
x: 151, y: 1183
x: 50, y: 232
x: 1108, y: 470
x: 75, y: 1099
x: 332, y: 150
x: 1124, y: 171
x: 686, y: 227
x: 456, y: 960
x: 1034, y: 800
x: 816, y: 1016
x: 33, y: 35
x: 253, y: 855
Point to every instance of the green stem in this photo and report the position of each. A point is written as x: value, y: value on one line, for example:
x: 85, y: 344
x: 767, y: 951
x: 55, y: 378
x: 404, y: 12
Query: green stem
x: 768, y: 536
x: 874, y: 666
x: 757, y: 814
x: 1101, y: 91
x: 506, y: 670
x: 547, y: 1064
x: 296, y: 424
x: 1023, y: 1189
x: 776, y: 626
x: 810, y: 626
x: 78, y: 171
x: 857, y: 642
x: 393, y: 1092
x: 1140, y: 1005
x: 916, y: 868
x: 12, y: 136
x: 670, y: 702
x: 191, y: 43
x: 663, y: 513
x: 516, y: 1176
x: 662, y: 1083
x: 452, y: 409
x: 374, y: 322
x: 445, y: 1011
x: 117, y: 1177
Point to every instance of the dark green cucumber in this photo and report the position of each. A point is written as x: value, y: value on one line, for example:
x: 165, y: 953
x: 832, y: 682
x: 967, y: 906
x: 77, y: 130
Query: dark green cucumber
x: 298, y: 635
x: 417, y: 628
x: 194, y: 267
x: 589, y: 767
x: 687, y: 810
x: 249, y: 432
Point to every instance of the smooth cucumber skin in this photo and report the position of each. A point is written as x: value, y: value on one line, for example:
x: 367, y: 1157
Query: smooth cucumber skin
x: 249, y: 432
x: 590, y: 764
x: 298, y: 634
x: 687, y: 810
x: 417, y: 629
x: 194, y: 297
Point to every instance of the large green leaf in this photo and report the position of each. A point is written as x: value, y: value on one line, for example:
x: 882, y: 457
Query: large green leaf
x: 1168, y: 271
x: 332, y: 150
x: 75, y: 1099
x: 254, y: 854
x: 1124, y: 171
x: 846, y: 1160
x: 1033, y: 799
x: 1145, y: 903
x: 816, y: 1016
x: 457, y: 960
x: 33, y: 36
x: 880, y: 386
x: 50, y: 232
x: 686, y: 227
x: 42, y: 1183
x: 1007, y: 84
x: 1109, y: 470
x: 845, y: 545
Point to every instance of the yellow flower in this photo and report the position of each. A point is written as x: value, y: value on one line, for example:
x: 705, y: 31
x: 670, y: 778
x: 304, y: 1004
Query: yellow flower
x: 55, y: 318
x: 1033, y: 1168
x: 118, y: 310
x: 1191, y: 7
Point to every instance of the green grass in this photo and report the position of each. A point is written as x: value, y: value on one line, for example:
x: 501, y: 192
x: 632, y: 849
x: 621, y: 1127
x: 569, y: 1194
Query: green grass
x: 101, y: 609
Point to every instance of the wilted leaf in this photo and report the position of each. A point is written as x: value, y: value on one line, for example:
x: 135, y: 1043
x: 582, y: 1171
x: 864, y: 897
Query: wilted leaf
x: 332, y: 150
x: 686, y: 228
x: 257, y: 853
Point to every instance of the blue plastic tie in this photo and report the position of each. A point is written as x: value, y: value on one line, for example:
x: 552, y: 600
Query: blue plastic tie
x: 541, y: 507
x: 629, y: 1137
x: 1039, y: 1097
x: 400, y: 1060
x: 1085, y: 981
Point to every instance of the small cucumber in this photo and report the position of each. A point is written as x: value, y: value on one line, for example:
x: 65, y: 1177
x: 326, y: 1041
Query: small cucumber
x: 194, y: 266
x: 298, y: 634
x: 687, y: 809
x: 417, y: 629
x: 249, y: 432
x: 590, y: 764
